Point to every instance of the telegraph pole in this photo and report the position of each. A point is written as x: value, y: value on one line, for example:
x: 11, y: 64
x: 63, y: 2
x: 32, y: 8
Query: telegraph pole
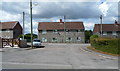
x: 64, y: 29
x: 23, y: 24
x: 101, y: 24
x: 31, y: 23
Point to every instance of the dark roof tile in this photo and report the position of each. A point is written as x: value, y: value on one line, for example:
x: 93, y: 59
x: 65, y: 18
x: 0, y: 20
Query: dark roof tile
x: 8, y: 25
x: 106, y: 27
x: 57, y: 25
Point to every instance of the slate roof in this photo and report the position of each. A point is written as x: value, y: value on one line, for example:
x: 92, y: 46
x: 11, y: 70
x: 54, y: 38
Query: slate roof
x: 60, y: 26
x: 8, y: 25
x: 106, y: 27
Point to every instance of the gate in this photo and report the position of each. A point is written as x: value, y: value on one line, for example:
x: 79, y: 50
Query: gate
x: 10, y: 42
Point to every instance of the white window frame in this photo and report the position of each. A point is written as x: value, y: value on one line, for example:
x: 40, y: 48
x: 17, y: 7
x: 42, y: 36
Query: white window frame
x: 44, y: 31
x: 0, y: 31
x: 55, y: 31
x: 104, y: 33
x: 79, y: 31
x: 78, y: 38
x: 44, y: 39
x: 67, y: 39
x: 114, y: 33
x: 67, y: 31
x: 55, y: 40
x: 7, y: 31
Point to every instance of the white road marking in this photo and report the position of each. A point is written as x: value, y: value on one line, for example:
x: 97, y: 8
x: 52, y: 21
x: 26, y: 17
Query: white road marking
x: 98, y: 54
x: 35, y: 65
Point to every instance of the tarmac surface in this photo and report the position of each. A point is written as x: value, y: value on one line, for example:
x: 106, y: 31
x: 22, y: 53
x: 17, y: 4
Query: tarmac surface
x: 57, y: 56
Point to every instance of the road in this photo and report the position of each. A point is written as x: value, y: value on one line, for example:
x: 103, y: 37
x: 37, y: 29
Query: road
x: 57, y: 56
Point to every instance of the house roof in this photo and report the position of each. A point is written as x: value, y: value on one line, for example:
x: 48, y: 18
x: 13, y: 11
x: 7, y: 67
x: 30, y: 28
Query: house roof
x: 8, y: 25
x: 106, y: 27
x: 60, y: 26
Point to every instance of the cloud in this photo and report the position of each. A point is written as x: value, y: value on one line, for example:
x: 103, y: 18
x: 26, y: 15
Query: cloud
x: 59, y: 0
x: 35, y: 27
x: 104, y: 8
x: 15, y: 7
x: 89, y: 25
x: 71, y: 10
x: 10, y: 17
x: 113, y: 9
x: 88, y: 12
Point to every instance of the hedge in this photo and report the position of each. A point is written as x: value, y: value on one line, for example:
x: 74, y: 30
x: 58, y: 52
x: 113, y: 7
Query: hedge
x: 110, y: 45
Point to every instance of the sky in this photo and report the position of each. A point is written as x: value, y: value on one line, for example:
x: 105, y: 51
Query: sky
x: 85, y: 11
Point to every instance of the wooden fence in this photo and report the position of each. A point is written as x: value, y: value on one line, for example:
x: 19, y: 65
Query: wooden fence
x: 9, y: 42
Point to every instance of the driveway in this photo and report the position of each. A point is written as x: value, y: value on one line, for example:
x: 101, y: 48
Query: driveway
x: 57, y: 56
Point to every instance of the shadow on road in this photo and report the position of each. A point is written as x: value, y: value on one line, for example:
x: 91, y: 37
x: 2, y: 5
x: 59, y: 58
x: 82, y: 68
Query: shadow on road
x: 28, y: 46
x: 40, y: 47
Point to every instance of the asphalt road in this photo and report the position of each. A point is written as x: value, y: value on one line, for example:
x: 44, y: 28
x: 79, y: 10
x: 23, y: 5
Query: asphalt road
x: 57, y: 56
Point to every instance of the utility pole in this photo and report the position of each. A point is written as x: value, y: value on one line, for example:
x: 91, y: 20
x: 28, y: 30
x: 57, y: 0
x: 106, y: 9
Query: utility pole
x: 23, y: 24
x: 64, y: 29
x: 31, y: 24
x: 101, y: 24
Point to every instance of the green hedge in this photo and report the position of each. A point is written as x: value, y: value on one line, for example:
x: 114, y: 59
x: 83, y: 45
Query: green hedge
x: 110, y: 45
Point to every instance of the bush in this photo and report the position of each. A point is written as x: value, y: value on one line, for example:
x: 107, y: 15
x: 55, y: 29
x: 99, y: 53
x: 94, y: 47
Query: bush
x: 88, y: 33
x: 92, y: 39
x: 28, y: 37
x: 110, y: 45
x: 94, y: 36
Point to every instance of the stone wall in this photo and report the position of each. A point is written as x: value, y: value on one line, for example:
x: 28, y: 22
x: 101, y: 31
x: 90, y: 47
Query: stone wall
x: 7, y: 34
x: 0, y: 42
x: 61, y: 37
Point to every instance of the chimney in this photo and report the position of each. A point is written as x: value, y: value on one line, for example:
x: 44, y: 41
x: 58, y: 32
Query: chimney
x: 60, y: 20
x: 116, y: 22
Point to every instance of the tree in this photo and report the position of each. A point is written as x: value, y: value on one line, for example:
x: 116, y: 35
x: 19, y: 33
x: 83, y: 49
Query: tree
x: 28, y: 37
x: 88, y: 33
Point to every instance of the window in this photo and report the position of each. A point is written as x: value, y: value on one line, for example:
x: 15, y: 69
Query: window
x: 44, y: 32
x: 55, y: 31
x: 104, y: 33
x: 78, y: 31
x: 68, y: 39
x: 0, y: 31
x: 109, y: 32
x: 44, y: 39
x: 78, y: 38
x: 7, y: 37
x: 67, y: 31
x: 7, y: 31
x: 54, y: 39
x: 114, y: 33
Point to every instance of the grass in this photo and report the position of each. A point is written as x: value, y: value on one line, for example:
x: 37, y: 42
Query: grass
x: 104, y: 51
x: 107, y: 45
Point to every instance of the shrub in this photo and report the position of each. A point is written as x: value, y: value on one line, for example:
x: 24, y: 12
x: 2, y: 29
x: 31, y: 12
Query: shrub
x: 92, y: 39
x: 28, y: 37
x: 94, y: 36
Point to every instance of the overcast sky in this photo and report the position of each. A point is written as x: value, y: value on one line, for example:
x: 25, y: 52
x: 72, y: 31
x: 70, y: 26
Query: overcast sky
x: 88, y: 12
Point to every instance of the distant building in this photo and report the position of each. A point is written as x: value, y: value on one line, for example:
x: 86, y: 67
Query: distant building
x: 10, y: 29
x: 108, y: 30
x: 60, y: 32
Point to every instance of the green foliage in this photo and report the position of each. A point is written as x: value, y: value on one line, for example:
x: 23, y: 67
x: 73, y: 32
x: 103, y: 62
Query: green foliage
x: 88, y: 33
x: 28, y: 37
x: 94, y: 36
x: 110, y: 45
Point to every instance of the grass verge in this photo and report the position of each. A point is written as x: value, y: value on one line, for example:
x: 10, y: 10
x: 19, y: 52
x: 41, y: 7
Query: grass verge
x: 103, y: 51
